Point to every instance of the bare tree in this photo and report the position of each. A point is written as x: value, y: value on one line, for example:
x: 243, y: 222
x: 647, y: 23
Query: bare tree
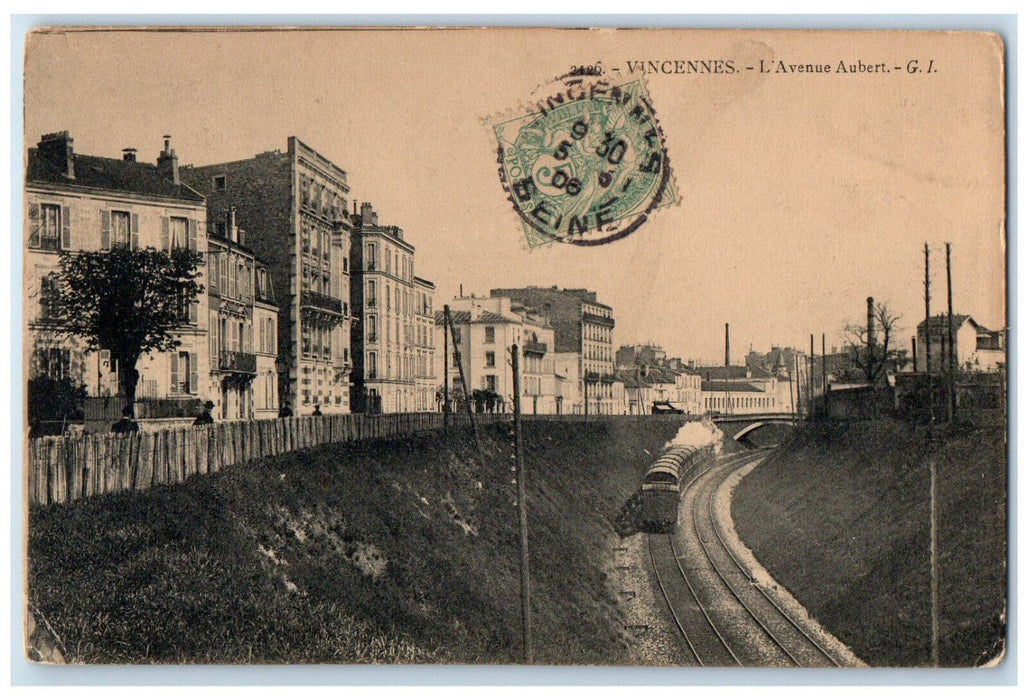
x: 870, y: 356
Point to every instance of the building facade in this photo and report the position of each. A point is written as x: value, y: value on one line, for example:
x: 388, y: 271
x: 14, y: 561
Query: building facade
x: 387, y: 316
x: 293, y: 206
x: 78, y: 202
x: 243, y: 327
x: 485, y: 328
x: 426, y: 385
x: 581, y: 325
x: 976, y: 348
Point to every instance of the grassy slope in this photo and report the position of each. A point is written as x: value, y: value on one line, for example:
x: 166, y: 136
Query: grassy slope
x: 354, y: 553
x: 843, y: 522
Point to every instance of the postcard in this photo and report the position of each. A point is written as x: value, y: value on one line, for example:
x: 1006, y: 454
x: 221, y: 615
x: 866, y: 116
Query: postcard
x: 614, y: 347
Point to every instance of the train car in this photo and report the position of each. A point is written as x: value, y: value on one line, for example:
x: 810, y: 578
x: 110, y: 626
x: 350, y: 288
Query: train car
x: 662, y: 485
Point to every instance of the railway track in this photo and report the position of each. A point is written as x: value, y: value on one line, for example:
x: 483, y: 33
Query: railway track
x: 724, y: 617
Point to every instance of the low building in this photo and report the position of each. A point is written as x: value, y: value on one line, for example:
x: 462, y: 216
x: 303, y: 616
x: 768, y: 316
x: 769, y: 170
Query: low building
x: 976, y: 348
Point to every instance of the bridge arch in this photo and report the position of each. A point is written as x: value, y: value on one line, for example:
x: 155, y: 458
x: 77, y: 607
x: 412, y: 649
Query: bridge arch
x: 758, y: 424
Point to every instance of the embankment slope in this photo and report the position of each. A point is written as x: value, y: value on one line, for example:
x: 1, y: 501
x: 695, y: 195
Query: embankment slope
x: 404, y: 551
x: 840, y: 517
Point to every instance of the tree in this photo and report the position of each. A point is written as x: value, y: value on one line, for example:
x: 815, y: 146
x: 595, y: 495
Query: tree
x: 871, y: 354
x: 125, y: 301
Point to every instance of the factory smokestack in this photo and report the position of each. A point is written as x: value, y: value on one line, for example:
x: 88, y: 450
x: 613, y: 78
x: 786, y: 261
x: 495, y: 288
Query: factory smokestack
x: 727, y: 355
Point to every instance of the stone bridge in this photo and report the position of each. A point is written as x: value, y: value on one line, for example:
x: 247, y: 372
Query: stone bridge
x: 738, y: 426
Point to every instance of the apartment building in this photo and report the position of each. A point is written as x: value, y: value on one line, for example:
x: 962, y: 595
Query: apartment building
x: 390, y: 306
x: 584, y: 326
x: 243, y: 327
x: 293, y: 206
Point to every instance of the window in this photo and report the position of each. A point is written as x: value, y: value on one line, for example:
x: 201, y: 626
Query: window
x: 218, y: 183
x: 371, y: 294
x: 490, y: 382
x: 47, y: 290
x: 49, y: 227
x: 371, y: 263
x: 490, y: 334
x: 372, y: 365
x: 184, y: 373
x: 372, y: 329
x: 178, y: 232
x: 54, y: 363
x: 490, y: 359
x: 121, y: 233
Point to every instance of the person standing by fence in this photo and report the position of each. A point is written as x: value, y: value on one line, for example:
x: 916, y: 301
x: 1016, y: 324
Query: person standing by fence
x: 126, y: 424
x: 205, y: 418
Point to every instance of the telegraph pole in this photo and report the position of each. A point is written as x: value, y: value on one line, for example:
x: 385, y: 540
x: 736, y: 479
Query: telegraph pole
x: 928, y: 338
x: 952, y: 398
x: 526, y: 592
x: 467, y: 394
x: 728, y: 391
x: 810, y: 375
x: 446, y: 366
x: 824, y: 374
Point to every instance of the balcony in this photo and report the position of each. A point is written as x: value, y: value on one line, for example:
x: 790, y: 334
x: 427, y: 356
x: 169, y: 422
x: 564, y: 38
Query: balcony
x: 598, y: 320
x: 322, y: 302
x: 533, y: 347
x: 234, y: 362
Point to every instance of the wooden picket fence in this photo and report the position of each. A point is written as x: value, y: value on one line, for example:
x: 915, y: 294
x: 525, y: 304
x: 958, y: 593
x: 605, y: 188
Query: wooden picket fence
x: 66, y: 468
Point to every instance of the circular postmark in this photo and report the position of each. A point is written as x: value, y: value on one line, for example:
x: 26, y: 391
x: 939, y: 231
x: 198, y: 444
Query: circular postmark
x: 588, y: 166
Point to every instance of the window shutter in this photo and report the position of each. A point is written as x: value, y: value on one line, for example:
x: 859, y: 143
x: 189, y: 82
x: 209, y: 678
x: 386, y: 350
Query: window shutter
x: 194, y: 310
x: 66, y: 228
x: 33, y: 225
x: 135, y: 232
x: 105, y: 229
x: 165, y: 233
x: 194, y: 374
x: 174, y: 373
x: 192, y: 234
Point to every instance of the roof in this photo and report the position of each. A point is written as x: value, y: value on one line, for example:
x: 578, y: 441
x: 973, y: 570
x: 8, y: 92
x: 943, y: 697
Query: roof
x: 729, y: 387
x: 464, y: 317
x: 941, y: 321
x: 722, y: 372
x: 112, y: 174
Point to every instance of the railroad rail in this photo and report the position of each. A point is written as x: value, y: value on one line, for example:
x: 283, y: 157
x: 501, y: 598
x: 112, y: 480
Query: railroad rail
x: 697, y: 622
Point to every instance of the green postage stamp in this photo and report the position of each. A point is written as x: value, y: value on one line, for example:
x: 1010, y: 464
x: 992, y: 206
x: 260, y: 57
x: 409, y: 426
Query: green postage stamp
x: 588, y: 166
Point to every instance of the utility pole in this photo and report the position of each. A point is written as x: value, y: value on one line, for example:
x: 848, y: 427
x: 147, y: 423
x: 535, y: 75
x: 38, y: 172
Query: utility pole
x: 467, y: 394
x: 521, y: 476
x: 951, y: 400
x: 928, y: 338
x: 446, y: 366
x: 796, y: 371
x: 934, y: 516
x: 728, y: 391
x: 810, y: 375
x: 824, y: 374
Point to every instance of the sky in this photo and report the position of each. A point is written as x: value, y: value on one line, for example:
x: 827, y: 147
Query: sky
x: 801, y: 194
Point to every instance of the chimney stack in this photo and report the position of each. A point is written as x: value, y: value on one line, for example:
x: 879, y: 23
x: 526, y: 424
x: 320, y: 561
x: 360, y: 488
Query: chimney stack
x: 57, y: 151
x: 167, y: 162
x: 128, y: 154
x: 871, y: 322
x: 368, y: 215
x: 727, y: 356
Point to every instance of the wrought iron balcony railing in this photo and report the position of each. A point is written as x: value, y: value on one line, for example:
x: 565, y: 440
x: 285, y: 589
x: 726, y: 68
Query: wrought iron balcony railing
x: 238, y: 362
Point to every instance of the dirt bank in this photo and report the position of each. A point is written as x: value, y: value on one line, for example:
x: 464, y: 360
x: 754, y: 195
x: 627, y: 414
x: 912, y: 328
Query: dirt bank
x: 389, y: 552
x: 840, y: 517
